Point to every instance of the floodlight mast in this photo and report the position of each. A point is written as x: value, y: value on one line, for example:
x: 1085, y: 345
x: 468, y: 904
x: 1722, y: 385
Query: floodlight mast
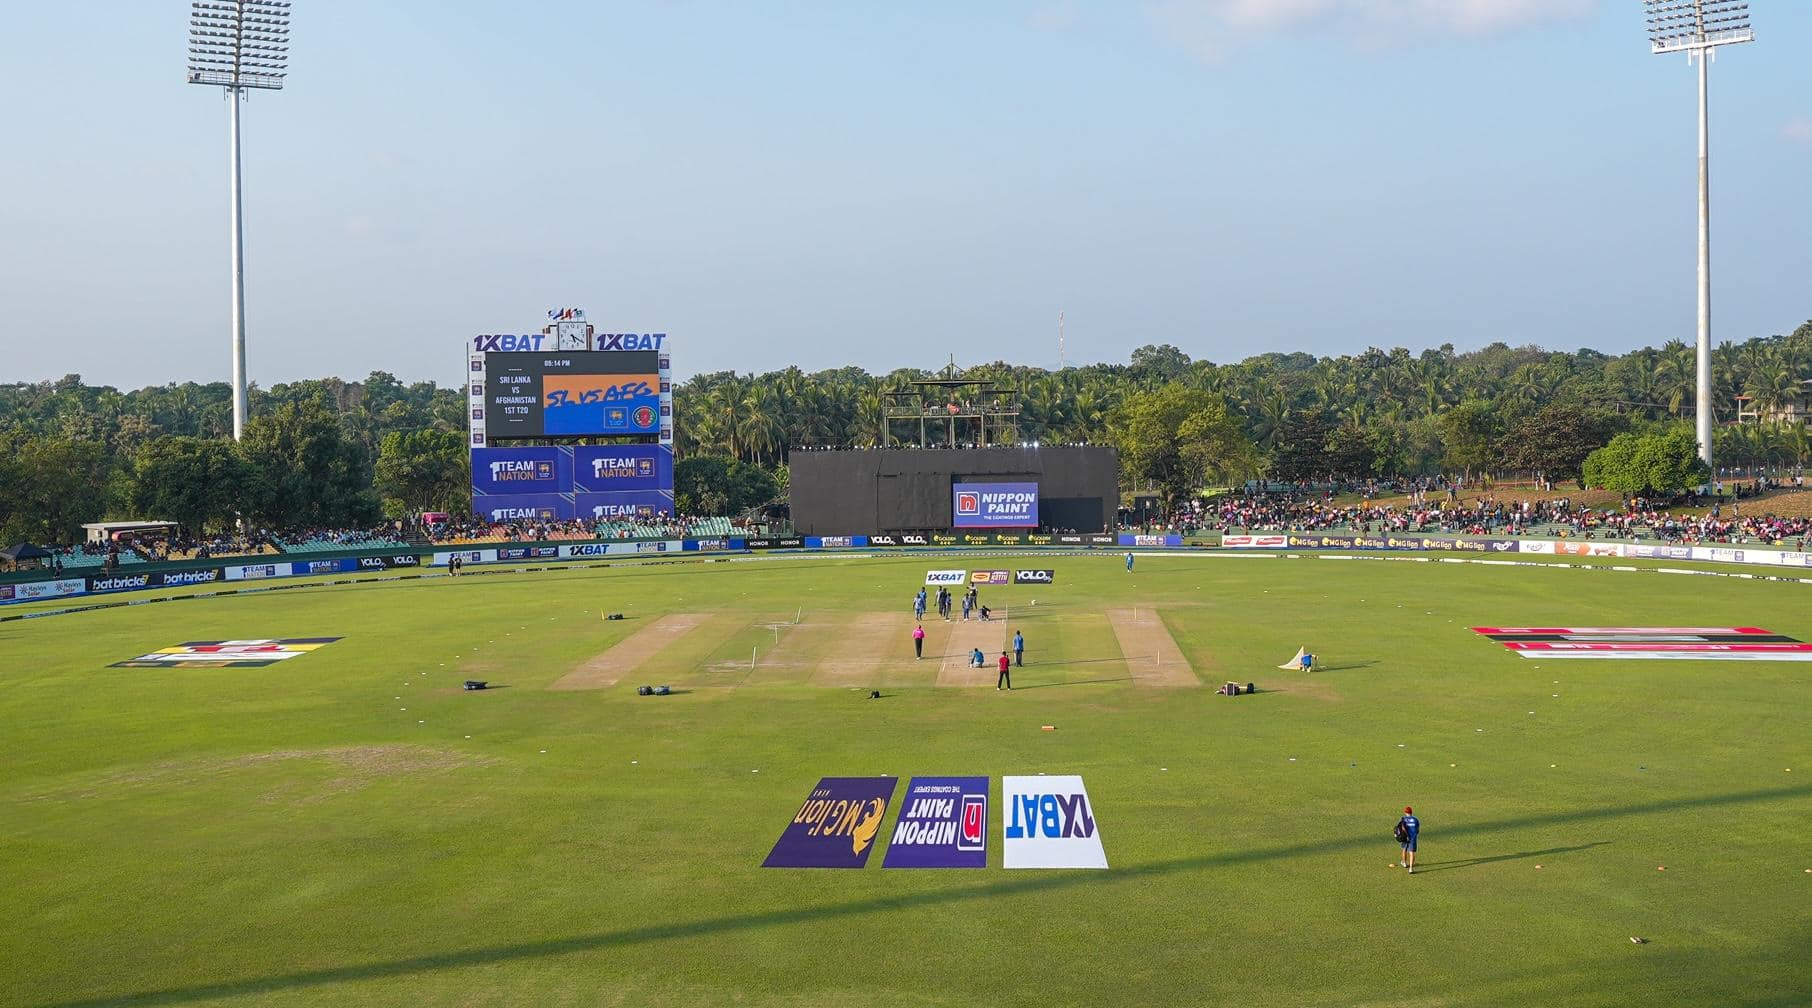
x: 1697, y: 28
x: 238, y: 44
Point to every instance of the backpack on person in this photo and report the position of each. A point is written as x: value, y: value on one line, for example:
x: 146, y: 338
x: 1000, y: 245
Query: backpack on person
x: 1401, y: 832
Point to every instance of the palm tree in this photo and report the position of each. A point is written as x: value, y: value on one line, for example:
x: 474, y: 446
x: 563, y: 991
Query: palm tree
x: 1675, y: 379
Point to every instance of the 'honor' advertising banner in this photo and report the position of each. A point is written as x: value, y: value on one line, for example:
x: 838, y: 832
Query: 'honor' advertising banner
x: 769, y: 542
x: 521, y: 471
x: 524, y: 507
x: 943, y: 824
x: 615, y: 468
x: 836, y: 826
x: 945, y: 577
x: 1047, y: 822
x: 994, y: 505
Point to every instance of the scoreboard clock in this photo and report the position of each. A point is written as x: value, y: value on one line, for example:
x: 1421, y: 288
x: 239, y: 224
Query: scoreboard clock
x: 572, y: 336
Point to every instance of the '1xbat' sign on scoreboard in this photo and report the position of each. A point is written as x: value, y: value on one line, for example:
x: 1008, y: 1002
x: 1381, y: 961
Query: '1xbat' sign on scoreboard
x: 568, y: 386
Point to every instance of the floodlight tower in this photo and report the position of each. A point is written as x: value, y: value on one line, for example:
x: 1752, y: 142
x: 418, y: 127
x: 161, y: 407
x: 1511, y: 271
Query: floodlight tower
x: 1696, y: 28
x: 238, y: 44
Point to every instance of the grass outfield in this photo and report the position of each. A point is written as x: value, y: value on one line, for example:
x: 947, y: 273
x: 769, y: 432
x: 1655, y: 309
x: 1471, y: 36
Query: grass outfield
x: 349, y: 827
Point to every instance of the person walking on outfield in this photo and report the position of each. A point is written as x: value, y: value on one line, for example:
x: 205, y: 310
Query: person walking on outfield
x: 965, y: 605
x: 1006, y: 675
x: 1129, y: 563
x: 1019, y: 648
x: 918, y: 642
x: 1406, y: 830
x: 918, y: 605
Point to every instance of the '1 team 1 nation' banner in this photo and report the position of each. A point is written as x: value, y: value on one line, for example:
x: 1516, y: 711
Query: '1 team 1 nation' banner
x: 1650, y: 643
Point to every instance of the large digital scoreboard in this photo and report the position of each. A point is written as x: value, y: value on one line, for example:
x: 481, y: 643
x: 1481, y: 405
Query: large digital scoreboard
x: 604, y: 393
x: 569, y: 423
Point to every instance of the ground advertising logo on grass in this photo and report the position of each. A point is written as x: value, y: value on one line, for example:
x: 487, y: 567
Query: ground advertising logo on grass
x: 1034, y: 576
x: 228, y: 653
x: 991, y: 577
x: 943, y: 824
x: 1047, y: 822
x: 836, y: 826
x: 994, y: 505
x: 1650, y: 643
x: 945, y: 577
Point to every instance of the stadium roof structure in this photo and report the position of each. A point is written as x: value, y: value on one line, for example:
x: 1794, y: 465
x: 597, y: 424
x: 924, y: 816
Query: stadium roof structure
x: 953, y: 411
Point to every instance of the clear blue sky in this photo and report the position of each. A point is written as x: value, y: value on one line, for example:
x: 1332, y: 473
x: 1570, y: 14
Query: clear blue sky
x: 889, y: 184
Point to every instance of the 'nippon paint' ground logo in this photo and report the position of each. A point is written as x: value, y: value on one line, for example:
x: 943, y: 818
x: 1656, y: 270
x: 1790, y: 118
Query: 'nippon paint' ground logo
x: 1047, y: 822
x: 943, y: 824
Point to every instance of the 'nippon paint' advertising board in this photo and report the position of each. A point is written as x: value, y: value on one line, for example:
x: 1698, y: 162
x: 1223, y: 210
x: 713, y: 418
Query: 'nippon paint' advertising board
x: 994, y: 505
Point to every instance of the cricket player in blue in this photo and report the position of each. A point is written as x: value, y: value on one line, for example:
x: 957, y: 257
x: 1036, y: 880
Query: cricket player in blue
x: 918, y: 605
x: 1129, y: 563
x: 1407, y: 828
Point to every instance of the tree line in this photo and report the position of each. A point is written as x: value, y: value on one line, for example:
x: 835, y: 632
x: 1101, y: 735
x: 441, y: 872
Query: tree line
x: 334, y: 453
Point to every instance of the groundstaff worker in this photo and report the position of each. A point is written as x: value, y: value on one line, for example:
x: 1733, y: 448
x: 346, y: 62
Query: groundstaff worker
x: 1006, y: 673
x: 1407, y: 828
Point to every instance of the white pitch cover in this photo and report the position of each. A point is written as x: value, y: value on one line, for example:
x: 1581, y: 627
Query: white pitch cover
x: 1048, y: 822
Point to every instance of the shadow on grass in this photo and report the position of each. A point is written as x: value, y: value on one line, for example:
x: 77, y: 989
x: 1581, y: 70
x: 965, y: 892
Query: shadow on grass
x: 1348, y: 667
x: 1072, y: 682
x: 1008, y: 886
x: 1434, y: 866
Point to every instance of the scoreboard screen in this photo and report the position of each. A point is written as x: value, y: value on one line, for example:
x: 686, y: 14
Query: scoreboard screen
x: 577, y: 392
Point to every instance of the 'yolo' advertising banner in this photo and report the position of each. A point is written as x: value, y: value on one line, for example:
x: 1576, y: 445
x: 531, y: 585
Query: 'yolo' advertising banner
x: 994, y: 505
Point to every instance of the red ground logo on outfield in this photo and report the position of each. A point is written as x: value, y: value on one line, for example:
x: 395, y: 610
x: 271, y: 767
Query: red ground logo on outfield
x: 228, y: 653
x: 1650, y: 643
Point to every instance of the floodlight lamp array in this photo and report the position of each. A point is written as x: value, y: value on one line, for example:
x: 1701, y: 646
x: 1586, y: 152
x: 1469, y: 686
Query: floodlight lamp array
x: 1692, y: 25
x: 244, y: 43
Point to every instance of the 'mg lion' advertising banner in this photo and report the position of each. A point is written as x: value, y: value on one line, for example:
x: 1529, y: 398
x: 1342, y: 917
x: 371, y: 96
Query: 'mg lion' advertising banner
x: 836, y: 826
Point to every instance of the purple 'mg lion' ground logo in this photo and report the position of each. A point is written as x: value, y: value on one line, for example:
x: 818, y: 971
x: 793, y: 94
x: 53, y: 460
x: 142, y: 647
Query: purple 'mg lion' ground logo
x: 943, y: 824
x: 836, y: 826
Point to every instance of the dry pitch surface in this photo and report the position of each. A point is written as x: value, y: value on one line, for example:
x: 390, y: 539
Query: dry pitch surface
x: 868, y: 649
